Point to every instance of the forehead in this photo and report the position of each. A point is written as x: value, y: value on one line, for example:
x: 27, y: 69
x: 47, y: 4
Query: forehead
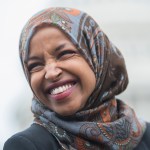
x: 50, y: 39
x: 69, y: 20
x: 48, y: 36
x: 49, y: 32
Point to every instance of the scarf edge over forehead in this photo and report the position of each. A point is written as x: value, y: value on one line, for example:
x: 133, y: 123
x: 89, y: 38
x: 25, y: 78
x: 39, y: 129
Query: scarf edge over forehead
x: 105, y: 122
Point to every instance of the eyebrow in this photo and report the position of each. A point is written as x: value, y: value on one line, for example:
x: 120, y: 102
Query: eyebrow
x: 33, y: 58
x: 60, y: 47
x: 56, y: 50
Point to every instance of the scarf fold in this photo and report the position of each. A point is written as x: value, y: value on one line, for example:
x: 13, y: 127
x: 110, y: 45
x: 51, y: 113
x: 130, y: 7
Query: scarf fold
x: 107, y: 127
x: 105, y: 122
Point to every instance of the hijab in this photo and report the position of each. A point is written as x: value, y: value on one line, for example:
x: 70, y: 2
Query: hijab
x: 105, y: 122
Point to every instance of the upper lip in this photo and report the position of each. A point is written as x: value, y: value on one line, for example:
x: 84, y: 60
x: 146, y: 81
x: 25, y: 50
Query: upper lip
x: 57, y: 84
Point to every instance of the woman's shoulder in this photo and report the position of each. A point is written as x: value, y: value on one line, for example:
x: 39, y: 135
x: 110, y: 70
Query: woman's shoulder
x: 145, y: 142
x: 34, y: 138
x: 146, y: 136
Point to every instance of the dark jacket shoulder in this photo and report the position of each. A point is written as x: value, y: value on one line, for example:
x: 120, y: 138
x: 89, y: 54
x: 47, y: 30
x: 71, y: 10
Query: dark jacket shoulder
x: 145, y: 142
x: 35, y: 137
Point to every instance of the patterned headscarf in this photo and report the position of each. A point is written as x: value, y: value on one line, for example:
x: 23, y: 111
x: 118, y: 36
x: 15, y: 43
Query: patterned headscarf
x: 105, y: 122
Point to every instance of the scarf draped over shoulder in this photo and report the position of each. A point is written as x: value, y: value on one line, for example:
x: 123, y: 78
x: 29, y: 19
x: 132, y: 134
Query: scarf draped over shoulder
x: 105, y: 122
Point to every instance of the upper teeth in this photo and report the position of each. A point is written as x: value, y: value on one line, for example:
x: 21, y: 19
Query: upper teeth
x: 61, y: 89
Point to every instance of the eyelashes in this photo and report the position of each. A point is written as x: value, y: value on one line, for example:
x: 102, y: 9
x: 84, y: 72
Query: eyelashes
x: 66, y: 54
x: 39, y: 64
x: 35, y: 67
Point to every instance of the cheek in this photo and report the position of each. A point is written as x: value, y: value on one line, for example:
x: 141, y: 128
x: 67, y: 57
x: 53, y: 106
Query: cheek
x: 87, y: 78
x: 89, y: 81
x: 35, y: 81
x: 81, y: 69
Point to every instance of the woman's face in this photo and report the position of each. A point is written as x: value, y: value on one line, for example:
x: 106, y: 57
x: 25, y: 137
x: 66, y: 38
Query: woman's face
x: 59, y: 76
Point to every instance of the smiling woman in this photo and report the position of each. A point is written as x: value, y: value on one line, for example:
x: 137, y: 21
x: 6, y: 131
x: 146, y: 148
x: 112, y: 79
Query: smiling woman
x: 56, y: 76
x: 75, y: 73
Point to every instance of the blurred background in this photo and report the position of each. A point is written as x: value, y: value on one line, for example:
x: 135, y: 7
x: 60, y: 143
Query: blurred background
x: 126, y: 23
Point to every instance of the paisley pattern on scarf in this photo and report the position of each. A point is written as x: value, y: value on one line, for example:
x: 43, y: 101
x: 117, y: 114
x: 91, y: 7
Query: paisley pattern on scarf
x: 105, y: 122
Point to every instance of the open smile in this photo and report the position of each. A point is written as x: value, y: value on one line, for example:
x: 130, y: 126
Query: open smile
x: 60, y: 90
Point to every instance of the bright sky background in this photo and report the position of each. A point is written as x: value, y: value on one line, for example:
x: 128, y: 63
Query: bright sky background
x: 15, y: 13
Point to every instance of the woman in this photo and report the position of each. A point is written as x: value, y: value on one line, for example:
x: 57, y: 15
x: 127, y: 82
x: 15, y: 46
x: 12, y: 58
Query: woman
x: 75, y: 72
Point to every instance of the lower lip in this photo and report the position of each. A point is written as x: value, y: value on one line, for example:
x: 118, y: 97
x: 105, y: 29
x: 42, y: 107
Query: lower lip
x: 63, y: 95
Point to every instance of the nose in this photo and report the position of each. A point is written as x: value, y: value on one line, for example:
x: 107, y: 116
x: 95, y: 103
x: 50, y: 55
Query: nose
x: 52, y: 71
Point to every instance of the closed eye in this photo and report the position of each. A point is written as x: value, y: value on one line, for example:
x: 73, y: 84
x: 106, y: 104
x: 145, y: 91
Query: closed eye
x: 66, y: 54
x: 33, y: 67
